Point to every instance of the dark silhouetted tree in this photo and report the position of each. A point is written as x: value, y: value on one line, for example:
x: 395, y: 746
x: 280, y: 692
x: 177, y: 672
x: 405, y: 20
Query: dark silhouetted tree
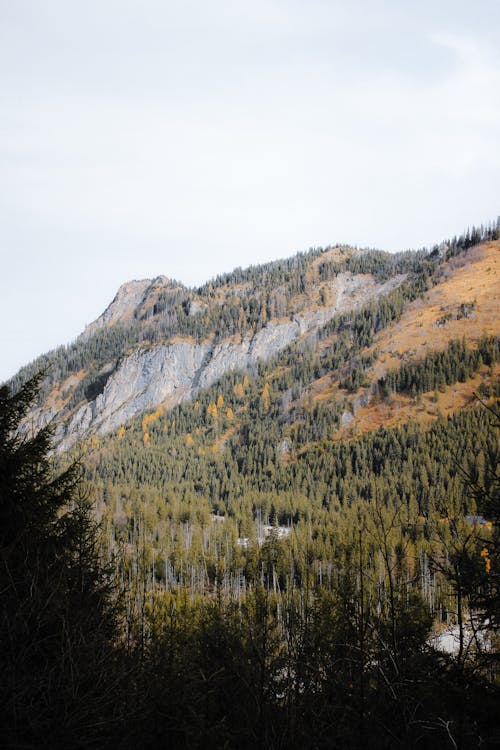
x: 58, y: 615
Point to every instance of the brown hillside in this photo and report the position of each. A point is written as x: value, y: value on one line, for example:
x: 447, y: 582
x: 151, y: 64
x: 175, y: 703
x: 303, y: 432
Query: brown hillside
x: 430, y: 322
x: 465, y: 303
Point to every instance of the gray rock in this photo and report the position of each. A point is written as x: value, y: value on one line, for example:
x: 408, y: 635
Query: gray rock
x: 127, y: 299
x: 172, y: 372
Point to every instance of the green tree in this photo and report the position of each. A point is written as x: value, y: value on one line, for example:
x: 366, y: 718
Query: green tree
x: 58, y: 617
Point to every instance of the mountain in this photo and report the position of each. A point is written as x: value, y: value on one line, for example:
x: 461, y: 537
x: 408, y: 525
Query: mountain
x: 295, y: 469
x: 160, y: 344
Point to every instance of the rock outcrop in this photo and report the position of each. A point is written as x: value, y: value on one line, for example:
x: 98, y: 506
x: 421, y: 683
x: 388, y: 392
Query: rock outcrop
x: 168, y: 374
x: 173, y: 372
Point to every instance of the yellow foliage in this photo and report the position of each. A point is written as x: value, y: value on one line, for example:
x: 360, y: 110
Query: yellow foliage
x: 212, y: 411
x: 145, y: 438
x: 238, y: 390
x: 94, y: 442
x: 189, y: 440
x: 149, y: 418
x: 121, y: 433
x: 265, y: 398
x: 220, y: 401
x: 485, y: 554
x: 196, y: 406
x: 246, y: 382
x: 229, y: 413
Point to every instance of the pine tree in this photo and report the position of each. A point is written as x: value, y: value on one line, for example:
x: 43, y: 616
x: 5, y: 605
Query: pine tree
x: 58, y: 618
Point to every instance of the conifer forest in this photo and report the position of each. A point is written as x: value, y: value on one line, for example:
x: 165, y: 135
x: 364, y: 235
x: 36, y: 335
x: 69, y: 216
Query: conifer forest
x: 302, y: 554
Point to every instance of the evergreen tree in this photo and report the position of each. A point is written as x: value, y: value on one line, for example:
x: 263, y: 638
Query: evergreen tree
x: 58, y: 617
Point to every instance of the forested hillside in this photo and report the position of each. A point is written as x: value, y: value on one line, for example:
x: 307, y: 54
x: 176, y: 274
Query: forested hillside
x: 297, y: 485
x: 160, y: 344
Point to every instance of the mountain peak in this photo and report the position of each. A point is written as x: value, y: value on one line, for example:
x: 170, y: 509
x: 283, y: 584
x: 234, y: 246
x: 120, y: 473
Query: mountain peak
x: 125, y: 303
x: 352, y: 315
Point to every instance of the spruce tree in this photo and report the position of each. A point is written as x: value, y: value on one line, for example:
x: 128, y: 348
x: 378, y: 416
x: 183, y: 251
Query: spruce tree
x: 58, y: 616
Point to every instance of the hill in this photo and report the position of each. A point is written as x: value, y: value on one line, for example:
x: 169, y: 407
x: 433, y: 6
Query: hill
x: 296, y: 472
x: 160, y: 344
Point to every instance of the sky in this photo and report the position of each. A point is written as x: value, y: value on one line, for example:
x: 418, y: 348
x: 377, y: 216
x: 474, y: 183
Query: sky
x: 185, y: 138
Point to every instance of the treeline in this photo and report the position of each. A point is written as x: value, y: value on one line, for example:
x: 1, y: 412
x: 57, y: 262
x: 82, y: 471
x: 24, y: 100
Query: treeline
x: 383, y: 265
x: 473, y: 236
x: 380, y: 264
x: 268, y: 276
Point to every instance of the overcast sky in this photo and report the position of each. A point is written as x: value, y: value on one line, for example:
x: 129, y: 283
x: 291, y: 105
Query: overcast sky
x: 147, y: 137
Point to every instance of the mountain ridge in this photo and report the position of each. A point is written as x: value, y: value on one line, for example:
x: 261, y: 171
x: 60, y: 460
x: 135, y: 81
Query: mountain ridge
x: 174, y: 371
x: 158, y: 343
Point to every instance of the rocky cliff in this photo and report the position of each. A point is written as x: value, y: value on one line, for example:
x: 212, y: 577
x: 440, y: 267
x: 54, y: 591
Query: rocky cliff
x: 168, y: 342
x: 172, y: 372
x: 159, y: 343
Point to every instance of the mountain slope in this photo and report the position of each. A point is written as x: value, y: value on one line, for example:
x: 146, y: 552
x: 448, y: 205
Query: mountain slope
x: 296, y: 481
x: 464, y: 303
x: 159, y: 343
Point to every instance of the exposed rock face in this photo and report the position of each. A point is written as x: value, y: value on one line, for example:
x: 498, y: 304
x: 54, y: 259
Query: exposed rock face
x: 175, y: 369
x: 125, y: 304
x: 127, y: 299
x: 169, y: 374
x: 143, y: 380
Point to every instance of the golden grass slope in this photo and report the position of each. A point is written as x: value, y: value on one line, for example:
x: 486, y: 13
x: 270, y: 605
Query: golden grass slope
x: 428, y: 324
x: 471, y: 278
